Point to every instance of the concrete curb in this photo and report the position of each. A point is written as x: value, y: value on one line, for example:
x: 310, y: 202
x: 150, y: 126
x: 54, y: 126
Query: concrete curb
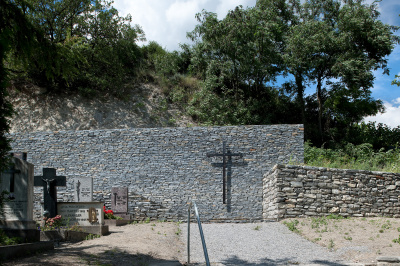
x: 12, y: 251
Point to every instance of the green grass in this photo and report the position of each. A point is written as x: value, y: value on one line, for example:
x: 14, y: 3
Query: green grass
x: 291, y: 225
x: 361, y: 157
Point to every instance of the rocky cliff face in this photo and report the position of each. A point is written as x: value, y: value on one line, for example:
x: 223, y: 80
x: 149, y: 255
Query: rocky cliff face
x: 145, y: 106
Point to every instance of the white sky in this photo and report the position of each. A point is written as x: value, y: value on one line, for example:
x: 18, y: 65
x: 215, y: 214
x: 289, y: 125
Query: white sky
x: 168, y: 21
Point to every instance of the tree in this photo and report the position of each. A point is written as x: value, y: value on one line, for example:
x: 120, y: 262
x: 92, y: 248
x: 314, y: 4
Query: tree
x: 236, y: 57
x: 337, y: 46
x: 91, y: 48
x: 17, y: 35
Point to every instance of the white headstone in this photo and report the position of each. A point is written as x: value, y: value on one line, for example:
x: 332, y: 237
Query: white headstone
x: 83, y: 189
x: 81, y: 213
x: 18, y: 181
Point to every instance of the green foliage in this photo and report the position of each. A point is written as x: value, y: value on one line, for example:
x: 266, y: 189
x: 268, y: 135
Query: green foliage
x: 92, y: 236
x: 378, y: 135
x: 236, y: 57
x: 352, y: 156
x: 397, y: 240
x: 84, y: 46
x: 336, y: 46
x: 112, y: 216
x: 5, y: 240
x: 292, y: 225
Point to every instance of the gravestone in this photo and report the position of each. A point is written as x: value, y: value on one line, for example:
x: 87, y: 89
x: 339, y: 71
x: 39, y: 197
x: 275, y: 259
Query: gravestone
x: 49, y: 181
x: 119, y: 202
x: 87, y: 215
x: 83, y: 189
x: 17, y: 218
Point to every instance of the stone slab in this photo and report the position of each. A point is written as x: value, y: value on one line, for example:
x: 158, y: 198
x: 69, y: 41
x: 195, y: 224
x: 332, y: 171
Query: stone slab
x: 119, y: 200
x: 20, y: 208
x: 77, y: 213
x: 113, y: 222
x: 83, y: 189
x: 22, y: 250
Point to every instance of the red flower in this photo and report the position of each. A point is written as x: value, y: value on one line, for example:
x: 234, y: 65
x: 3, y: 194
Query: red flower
x: 107, y: 211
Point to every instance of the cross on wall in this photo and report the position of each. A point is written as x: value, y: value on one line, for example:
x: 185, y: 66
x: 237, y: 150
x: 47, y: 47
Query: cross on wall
x: 226, y: 162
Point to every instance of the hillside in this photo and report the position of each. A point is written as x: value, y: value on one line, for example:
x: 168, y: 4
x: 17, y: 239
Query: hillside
x: 145, y: 106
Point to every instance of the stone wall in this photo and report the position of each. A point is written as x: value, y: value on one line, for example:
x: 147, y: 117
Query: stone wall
x: 164, y: 168
x: 299, y: 191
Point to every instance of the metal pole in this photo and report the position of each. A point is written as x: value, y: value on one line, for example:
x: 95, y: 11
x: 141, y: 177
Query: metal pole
x: 188, y: 235
x: 201, y: 234
x: 223, y: 174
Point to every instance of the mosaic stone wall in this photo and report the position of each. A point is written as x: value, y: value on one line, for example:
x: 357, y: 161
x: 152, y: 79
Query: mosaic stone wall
x: 165, y: 168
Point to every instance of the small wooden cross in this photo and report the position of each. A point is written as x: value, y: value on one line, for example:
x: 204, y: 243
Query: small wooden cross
x: 49, y: 181
x: 226, y: 157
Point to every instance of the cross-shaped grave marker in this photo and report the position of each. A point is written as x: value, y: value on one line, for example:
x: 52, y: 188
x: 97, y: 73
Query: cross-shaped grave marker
x: 12, y: 171
x: 49, y: 181
x: 226, y: 162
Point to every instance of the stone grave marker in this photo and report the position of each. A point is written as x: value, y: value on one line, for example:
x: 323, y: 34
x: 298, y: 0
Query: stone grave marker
x: 18, y: 209
x: 88, y: 215
x: 49, y: 181
x: 119, y: 201
x: 83, y: 189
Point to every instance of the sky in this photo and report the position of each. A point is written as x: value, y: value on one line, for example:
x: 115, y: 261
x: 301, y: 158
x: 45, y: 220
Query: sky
x: 168, y: 21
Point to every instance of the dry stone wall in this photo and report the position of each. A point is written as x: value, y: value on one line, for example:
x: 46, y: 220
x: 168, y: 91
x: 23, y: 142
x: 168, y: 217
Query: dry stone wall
x: 165, y: 168
x: 300, y: 191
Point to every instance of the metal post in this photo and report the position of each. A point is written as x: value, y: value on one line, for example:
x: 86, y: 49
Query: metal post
x: 201, y: 234
x: 224, y: 174
x: 188, y: 235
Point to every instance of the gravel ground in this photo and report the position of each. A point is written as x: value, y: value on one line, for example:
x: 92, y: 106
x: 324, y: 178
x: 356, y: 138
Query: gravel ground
x: 269, y: 243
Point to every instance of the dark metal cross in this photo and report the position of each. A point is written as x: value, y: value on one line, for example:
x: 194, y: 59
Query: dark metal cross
x: 226, y: 159
x: 49, y: 181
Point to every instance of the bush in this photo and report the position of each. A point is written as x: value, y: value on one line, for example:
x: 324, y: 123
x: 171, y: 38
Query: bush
x: 351, y: 156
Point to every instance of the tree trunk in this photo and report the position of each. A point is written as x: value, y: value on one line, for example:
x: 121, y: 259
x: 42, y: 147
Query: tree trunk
x: 319, y: 97
x: 300, y: 96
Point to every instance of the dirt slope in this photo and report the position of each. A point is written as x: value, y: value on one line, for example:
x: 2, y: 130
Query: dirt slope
x: 145, y: 106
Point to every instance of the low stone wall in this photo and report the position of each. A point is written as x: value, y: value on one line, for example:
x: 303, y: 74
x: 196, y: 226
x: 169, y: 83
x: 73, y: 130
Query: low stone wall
x: 300, y: 191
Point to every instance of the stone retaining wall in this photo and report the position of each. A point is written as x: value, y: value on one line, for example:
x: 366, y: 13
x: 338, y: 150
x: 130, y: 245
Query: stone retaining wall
x: 164, y: 168
x: 299, y: 191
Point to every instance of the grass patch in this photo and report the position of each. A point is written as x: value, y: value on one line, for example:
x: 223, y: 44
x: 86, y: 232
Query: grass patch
x: 291, y: 225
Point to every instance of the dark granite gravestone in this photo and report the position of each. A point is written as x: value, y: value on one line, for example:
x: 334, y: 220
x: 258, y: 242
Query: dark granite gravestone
x: 119, y: 202
x: 17, y: 219
x: 49, y: 181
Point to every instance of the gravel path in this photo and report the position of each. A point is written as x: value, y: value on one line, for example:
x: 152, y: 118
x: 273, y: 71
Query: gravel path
x: 269, y: 243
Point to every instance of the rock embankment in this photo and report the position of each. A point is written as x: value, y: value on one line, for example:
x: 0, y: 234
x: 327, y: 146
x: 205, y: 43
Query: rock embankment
x: 145, y: 106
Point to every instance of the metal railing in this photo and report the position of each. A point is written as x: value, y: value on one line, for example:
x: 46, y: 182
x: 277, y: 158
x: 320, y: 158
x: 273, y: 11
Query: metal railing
x: 203, y: 241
